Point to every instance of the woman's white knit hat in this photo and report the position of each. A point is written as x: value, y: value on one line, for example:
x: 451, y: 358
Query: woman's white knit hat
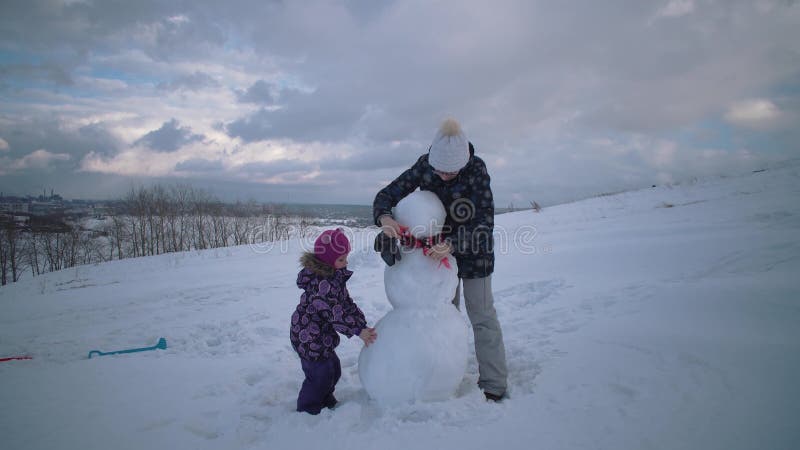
x: 450, y: 149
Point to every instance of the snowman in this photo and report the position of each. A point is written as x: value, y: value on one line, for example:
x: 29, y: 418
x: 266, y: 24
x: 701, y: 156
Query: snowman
x: 421, y: 352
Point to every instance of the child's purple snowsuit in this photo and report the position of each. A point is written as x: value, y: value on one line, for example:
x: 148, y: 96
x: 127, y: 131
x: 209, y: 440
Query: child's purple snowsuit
x: 317, y: 390
x: 325, y: 308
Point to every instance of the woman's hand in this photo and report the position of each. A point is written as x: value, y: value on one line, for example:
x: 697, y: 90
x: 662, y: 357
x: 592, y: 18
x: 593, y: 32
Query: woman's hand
x: 440, y: 251
x: 368, y: 335
x: 390, y: 227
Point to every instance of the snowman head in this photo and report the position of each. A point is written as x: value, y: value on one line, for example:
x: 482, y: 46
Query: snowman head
x: 422, y: 212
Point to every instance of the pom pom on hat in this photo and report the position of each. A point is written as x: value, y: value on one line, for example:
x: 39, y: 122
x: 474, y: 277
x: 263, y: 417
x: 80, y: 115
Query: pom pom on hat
x: 330, y: 245
x: 450, y: 149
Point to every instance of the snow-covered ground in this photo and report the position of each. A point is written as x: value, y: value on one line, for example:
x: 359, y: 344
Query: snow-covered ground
x: 664, y: 318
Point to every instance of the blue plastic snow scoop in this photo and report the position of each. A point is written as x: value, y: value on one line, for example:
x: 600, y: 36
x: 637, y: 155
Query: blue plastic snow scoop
x: 162, y: 344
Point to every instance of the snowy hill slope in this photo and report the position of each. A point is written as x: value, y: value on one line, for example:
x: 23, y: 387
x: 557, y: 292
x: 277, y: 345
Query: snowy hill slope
x: 663, y: 318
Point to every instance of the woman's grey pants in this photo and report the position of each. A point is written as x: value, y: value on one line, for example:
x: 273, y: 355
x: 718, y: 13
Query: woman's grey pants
x: 489, y: 348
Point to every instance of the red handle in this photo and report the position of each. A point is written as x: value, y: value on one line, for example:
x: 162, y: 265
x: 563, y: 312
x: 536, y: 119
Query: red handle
x: 15, y: 358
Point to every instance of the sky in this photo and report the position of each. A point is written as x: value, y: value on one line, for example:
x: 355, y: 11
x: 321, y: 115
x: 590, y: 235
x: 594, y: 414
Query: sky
x: 328, y: 101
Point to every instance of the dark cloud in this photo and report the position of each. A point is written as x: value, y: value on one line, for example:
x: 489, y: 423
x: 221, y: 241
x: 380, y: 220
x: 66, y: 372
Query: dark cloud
x: 199, y: 165
x: 270, y: 94
x: 192, y: 82
x: 51, y: 134
x: 51, y: 40
x: 66, y: 34
x: 376, y: 157
x: 170, y: 137
x: 323, y: 115
x: 260, y: 92
x: 49, y: 72
x: 97, y: 139
x: 186, y: 34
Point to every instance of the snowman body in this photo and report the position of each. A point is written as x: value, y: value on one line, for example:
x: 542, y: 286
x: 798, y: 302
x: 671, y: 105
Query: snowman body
x: 421, y: 350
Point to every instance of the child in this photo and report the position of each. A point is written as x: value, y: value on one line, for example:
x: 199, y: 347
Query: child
x: 325, y: 308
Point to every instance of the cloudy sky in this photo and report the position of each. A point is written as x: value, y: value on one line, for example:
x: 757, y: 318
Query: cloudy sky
x: 327, y: 101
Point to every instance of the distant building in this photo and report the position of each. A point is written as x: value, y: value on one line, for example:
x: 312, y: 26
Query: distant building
x: 46, y: 207
x: 55, y: 206
x: 13, y: 220
x: 14, y: 207
x: 79, y: 210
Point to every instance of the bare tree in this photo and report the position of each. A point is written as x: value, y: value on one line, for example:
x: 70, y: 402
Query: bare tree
x: 4, y: 255
x: 53, y: 247
x: 175, y: 213
x: 199, y: 205
x: 159, y: 207
x: 31, y: 252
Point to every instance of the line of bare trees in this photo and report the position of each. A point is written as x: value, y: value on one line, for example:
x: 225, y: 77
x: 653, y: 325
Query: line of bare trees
x: 42, y: 251
x: 148, y: 221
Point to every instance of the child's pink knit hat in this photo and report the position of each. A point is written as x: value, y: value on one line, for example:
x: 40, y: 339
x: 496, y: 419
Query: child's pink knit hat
x: 330, y: 245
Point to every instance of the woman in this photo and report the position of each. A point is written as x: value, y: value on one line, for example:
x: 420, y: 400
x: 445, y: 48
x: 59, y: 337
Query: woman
x: 451, y: 170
